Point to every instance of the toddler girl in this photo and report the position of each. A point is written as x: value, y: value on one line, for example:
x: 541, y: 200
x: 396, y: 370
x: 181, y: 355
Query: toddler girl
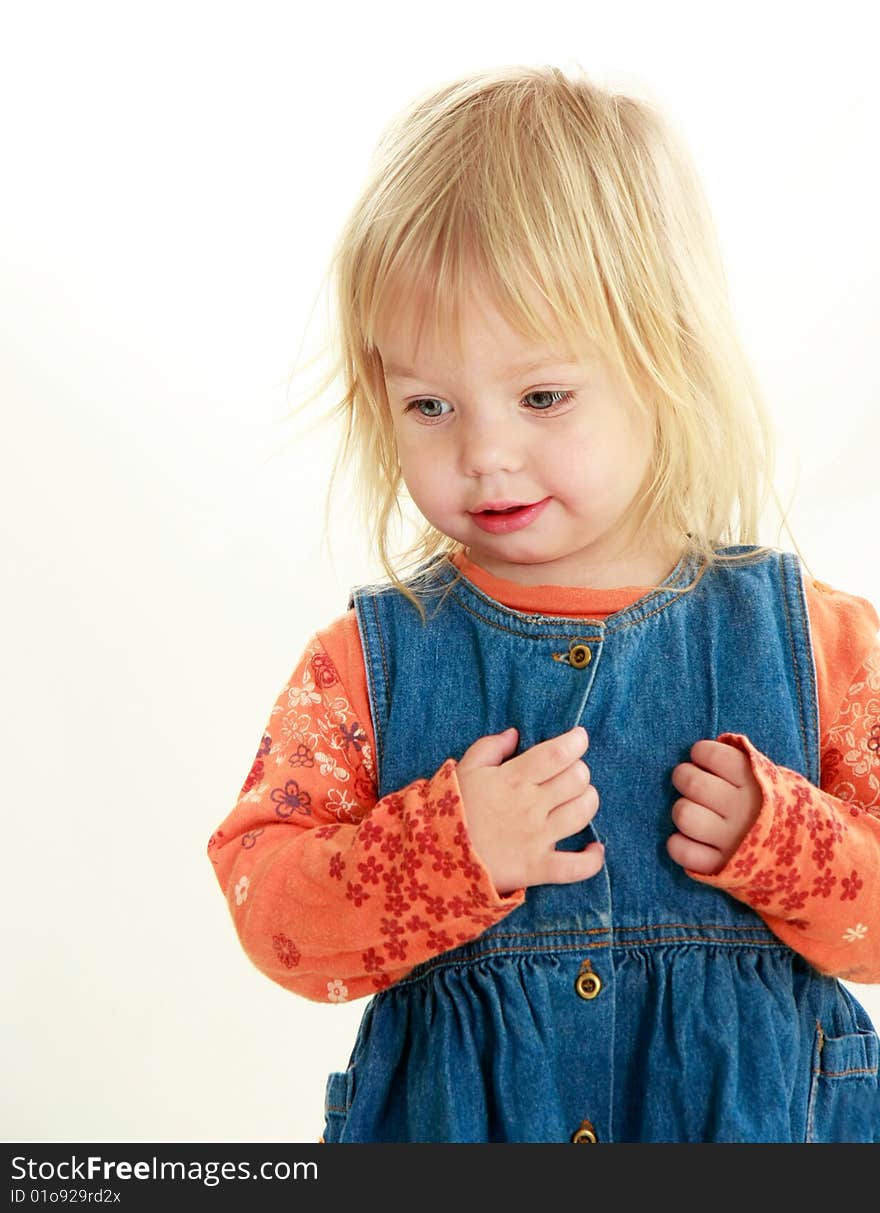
x: 588, y: 799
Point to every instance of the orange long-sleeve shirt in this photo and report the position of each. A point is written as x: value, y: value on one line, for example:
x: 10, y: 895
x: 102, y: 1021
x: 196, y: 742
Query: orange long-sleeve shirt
x: 336, y: 894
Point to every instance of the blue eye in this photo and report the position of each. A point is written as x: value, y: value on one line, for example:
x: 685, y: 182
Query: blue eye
x: 561, y: 398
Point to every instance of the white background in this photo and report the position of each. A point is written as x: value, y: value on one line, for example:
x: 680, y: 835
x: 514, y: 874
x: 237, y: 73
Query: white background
x: 173, y: 178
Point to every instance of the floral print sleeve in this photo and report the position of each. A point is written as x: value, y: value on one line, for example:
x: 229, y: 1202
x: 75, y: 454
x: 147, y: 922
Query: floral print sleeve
x: 811, y: 861
x: 333, y: 893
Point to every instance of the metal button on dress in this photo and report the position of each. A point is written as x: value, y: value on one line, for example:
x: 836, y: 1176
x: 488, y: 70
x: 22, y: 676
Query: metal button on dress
x: 586, y: 1133
x: 579, y: 655
x: 587, y: 983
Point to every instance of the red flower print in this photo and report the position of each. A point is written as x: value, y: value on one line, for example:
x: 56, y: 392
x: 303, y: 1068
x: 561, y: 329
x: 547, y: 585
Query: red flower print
x: 397, y: 949
x: 477, y: 898
x: 447, y: 804
x: 397, y: 904
x: 356, y: 893
x: 416, y: 923
x: 337, y: 865
x: 851, y: 885
x: 382, y: 982
x: 370, y: 833
x: 800, y: 923
x: 291, y: 799
x: 436, y: 907
x: 815, y: 822
x: 795, y: 901
x: 744, y: 865
x: 392, y: 846
x: 837, y: 828
x: 439, y: 941
x: 775, y: 835
x: 873, y: 742
x: 393, y: 803
x: 363, y: 792
x: 785, y: 882
x: 416, y: 890
x: 427, y: 840
x: 444, y: 863
x: 254, y: 776
x: 831, y: 760
x: 802, y: 795
x: 286, y: 951
x: 372, y: 960
x: 822, y: 884
x: 370, y: 870
x: 327, y: 831
x: 395, y: 943
x: 391, y: 927
x: 323, y: 671
x: 393, y: 882
x: 470, y: 869
x: 410, y: 862
x: 787, y: 852
x: 823, y: 852
x: 759, y: 892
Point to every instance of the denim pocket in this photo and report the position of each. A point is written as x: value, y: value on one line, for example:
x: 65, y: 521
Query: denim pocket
x: 844, y: 1102
x: 337, y: 1101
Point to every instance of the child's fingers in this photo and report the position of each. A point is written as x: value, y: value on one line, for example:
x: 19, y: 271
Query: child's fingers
x: 566, y: 867
x: 722, y: 759
x: 546, y: 759
x: 712, y: 791
x: 571, y: 782
x: 699, y: 823
x: 694, y: 855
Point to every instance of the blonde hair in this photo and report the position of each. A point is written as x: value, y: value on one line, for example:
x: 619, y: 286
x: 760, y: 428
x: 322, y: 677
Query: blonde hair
x: 544, y: 183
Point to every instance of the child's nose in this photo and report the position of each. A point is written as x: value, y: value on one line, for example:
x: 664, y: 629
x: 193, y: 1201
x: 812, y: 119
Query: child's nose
x: 489, y: 449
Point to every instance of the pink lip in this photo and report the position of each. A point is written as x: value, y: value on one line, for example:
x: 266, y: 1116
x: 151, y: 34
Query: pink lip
x: 498, y: 524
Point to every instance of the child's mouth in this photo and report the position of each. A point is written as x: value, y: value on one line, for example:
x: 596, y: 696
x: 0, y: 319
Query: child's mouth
x: 513, y: 518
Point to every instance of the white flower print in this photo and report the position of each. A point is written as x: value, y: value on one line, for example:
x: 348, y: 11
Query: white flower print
x: 241, y: 890
x: 859, y: 931
x: 336, y: 990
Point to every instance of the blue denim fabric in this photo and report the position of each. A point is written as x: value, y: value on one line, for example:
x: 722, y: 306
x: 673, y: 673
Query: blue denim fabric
x: 707, y: 1027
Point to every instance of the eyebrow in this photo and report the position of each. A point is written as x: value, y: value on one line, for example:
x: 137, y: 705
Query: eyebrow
x: 396, y: 372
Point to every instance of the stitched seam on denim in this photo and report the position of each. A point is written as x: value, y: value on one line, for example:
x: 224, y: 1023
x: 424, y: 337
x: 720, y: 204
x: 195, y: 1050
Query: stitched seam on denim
x: 494, y: 605
x: 562, y: 635
x: 466, y: 962
x: 811, y: 671
x: 845, y: 1073
x: 648, y: 926
x: 794, y: 653
x: 378, y: 724
x: 814, y: 1086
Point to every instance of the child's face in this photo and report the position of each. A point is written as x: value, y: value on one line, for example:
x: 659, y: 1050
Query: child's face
x: 489, y: 432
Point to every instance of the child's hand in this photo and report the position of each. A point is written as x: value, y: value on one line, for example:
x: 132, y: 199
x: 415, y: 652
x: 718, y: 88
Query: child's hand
x: 517, y: 811
x: 721, y: 801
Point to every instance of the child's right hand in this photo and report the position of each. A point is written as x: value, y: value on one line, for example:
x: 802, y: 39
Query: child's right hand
x: 517, y: 811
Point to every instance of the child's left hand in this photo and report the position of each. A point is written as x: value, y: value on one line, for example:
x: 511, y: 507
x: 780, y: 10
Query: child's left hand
x: 721, y: 801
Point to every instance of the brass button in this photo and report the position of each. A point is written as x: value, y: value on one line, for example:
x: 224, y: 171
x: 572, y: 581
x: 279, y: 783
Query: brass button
x: 579, y: 656
x: 586, y: 1133
x: 587, y: 983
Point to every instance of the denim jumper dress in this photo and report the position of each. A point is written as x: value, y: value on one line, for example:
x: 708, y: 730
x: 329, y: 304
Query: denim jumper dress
x: 638, y: 1005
